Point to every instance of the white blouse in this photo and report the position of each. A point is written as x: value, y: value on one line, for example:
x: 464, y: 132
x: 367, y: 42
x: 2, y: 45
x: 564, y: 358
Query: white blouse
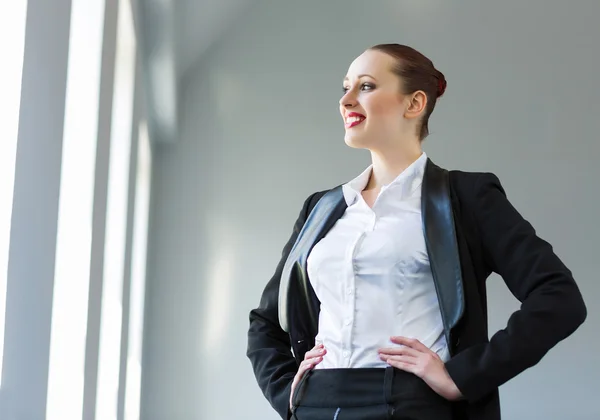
x: 371, y: 273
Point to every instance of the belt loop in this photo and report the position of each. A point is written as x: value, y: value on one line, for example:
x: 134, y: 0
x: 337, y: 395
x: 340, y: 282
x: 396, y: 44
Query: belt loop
x: 388, y: 383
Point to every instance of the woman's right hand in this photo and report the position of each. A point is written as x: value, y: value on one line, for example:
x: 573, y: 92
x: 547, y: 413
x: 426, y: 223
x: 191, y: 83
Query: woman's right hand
x: 311, y: 359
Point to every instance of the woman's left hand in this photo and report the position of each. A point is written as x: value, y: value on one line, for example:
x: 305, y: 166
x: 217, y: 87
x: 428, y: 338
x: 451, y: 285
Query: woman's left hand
x: 416, y: 358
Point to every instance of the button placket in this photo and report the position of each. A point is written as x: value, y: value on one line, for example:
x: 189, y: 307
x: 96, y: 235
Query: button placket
x: 351, y: 301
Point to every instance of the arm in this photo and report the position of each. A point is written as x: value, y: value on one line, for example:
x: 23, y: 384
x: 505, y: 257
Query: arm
x: 552, y: 307
x: 269, y: 347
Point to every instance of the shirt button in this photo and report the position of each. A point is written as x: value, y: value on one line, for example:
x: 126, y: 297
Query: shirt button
x: 346, y: 354
x: 349, y: 290
x: 348, y: 321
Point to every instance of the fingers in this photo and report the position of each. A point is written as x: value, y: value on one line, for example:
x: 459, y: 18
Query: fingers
x: 308, y: 363
x: 311, y: 359
x: 317, y: 351
x: 407, y: 351
x: 401, y: 359
x: 311, y: 362
x: 404, y: 363
x: 413, y: 356
x: 412, y: 343
x: 306, y: 366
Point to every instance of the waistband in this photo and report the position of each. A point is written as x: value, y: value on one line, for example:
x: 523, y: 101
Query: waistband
x: 361, y: 387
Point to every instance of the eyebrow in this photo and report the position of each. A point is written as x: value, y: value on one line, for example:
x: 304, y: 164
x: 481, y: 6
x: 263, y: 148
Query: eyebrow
x: 361, y: 75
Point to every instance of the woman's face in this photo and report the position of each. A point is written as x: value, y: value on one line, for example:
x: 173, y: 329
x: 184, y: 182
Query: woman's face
x: 372, y: 106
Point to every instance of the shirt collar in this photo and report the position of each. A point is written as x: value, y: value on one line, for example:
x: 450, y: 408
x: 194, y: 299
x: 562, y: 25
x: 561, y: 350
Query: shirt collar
x: 407, y: 181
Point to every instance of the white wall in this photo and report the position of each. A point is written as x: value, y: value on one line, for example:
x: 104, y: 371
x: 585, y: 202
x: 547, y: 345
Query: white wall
x: 54, y: 34
x: 35, y: 212
x: 260, y: 131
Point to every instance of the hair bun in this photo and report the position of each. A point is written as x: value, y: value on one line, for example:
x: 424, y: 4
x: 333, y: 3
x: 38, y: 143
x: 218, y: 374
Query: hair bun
x: 441, y: 86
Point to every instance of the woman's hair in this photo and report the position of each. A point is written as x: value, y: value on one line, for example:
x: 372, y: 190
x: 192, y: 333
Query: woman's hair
x: 416, y: 73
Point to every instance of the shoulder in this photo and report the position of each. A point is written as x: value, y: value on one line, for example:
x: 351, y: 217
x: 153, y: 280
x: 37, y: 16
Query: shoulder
x: 465, y: 182
x: 314, y: 198
x: 468, y: 185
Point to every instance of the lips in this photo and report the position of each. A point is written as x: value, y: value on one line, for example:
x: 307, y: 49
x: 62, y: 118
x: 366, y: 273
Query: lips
x: 353, y: 119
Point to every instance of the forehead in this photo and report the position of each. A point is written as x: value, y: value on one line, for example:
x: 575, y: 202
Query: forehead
x: 374, y: 63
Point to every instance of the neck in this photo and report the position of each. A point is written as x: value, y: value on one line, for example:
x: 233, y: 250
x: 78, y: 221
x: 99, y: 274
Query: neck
x: 391, y: 162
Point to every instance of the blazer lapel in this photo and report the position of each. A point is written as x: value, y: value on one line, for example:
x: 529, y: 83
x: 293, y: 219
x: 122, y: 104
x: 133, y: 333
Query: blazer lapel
x: 440, y: 239
x: 328, y: 210
x: 442, y: 245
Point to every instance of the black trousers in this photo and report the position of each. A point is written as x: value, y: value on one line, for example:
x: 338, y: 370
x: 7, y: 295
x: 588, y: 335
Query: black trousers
x: 367, y: 394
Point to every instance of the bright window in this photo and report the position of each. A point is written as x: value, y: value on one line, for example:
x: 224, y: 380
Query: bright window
x: 138, y: 276
x: 116, y: 218
x: 12, y: 40
x: 73, y: 247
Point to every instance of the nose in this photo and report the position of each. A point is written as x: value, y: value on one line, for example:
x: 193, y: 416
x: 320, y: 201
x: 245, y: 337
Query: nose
x: 348, y: 100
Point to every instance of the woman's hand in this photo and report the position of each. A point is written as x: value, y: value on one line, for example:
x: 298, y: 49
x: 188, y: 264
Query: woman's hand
x: 311, y: 359
x: 416, y: 358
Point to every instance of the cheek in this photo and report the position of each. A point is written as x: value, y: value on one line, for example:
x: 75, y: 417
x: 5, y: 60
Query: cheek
x: 384, y: 106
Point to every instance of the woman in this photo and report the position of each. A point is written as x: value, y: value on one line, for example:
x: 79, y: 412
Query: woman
x: 377, y: 309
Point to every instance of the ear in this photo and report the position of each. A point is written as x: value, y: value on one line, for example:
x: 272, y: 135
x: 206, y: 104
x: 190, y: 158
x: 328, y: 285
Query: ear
x: 417, y: 102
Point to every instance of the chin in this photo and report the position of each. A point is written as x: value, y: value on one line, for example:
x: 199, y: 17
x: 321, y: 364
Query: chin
x: 356, y: 142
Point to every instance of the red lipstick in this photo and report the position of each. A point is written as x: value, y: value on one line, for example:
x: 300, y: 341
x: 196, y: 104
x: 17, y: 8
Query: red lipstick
x: 353, y: 119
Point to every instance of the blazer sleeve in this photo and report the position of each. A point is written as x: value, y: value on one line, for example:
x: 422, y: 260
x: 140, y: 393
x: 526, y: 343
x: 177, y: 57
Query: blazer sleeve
x: 269, y: 347
x: 552, y: 307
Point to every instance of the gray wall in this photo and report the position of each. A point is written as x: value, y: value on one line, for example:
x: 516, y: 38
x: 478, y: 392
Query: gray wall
x: 260, y: 131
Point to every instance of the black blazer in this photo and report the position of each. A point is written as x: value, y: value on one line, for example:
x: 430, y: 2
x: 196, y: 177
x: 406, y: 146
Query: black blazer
x: 471, y: 230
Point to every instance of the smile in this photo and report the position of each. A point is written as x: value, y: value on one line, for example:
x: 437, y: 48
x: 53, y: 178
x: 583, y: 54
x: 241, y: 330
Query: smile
x: 353, y: 119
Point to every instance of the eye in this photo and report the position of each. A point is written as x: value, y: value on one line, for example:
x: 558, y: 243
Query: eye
x: 363, y: 87
x: 367, y: 86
